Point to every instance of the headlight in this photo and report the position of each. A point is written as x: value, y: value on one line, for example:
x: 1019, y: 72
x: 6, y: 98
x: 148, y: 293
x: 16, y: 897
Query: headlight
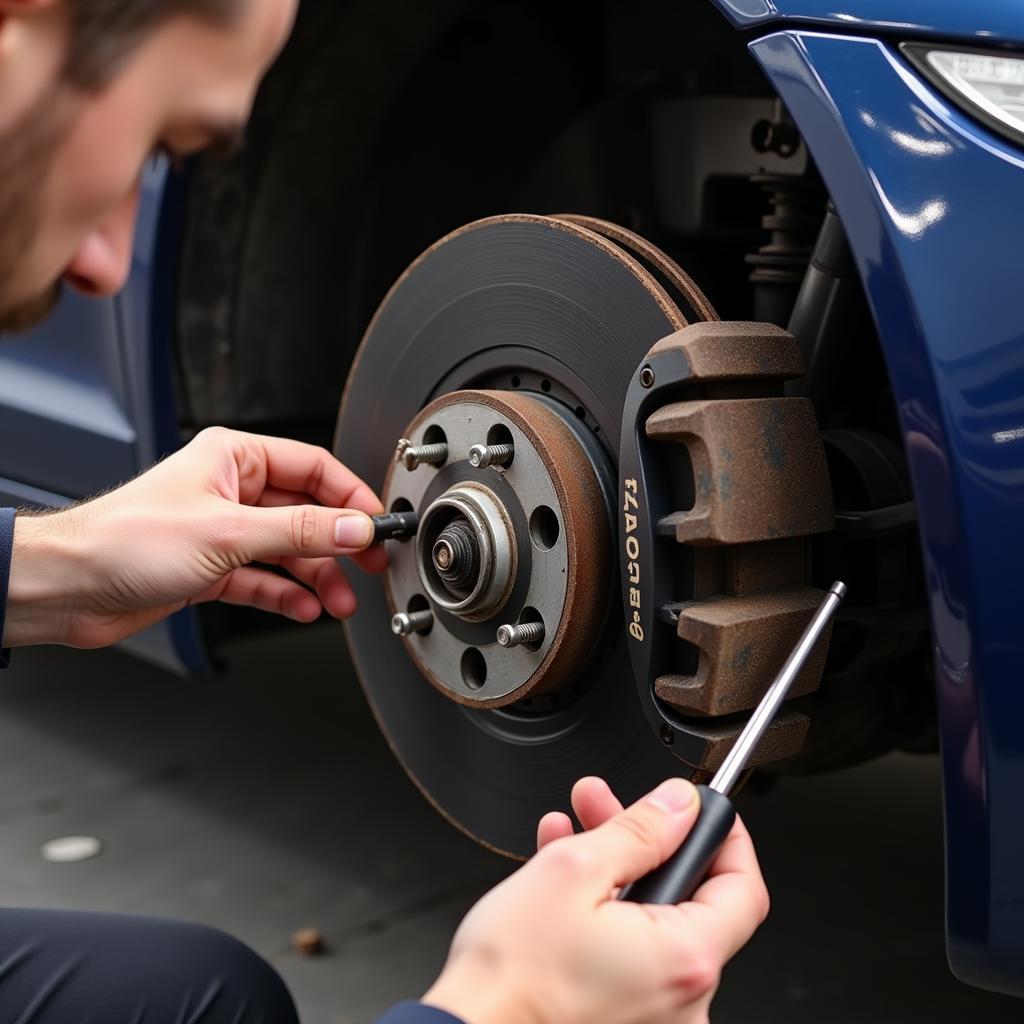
x: 988, y: 85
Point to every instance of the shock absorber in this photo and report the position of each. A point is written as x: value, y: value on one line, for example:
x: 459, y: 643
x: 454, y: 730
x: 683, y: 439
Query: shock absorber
x: 779, y: 265
x: 828, y: 315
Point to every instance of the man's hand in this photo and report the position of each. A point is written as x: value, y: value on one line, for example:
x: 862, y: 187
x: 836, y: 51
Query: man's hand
x: 551, y: 945
x: 187, y: 531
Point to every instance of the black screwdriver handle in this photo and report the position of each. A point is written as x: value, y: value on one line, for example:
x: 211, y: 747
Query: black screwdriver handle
x: 680, y: 876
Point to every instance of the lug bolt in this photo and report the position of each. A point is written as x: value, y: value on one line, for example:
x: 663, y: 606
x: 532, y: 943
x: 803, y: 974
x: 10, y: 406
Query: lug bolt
x: 407, y: 623
x: 413, y: 455
x: 483, y: 455
x: 524, y: 633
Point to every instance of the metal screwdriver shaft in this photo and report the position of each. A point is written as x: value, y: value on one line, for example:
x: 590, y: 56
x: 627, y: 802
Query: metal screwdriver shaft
x: 747, y: 741
x: 678, y: 878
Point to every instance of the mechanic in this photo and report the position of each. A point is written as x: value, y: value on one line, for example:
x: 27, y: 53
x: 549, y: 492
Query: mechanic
x: 89, y: 90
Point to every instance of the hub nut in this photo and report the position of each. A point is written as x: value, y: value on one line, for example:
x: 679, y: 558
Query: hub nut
x: 456, y: 556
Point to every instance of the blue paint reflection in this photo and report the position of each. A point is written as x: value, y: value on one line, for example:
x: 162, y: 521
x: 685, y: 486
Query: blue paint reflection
x: 1013, y: 434
x: 914, y: 222
x: 919, y: 146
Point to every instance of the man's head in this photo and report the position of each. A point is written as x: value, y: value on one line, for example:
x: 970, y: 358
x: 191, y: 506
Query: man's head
x: 89, y: 90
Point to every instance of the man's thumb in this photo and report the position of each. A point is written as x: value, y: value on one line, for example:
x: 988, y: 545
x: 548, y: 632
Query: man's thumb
x: 646, y: 834
x: 307, y: 531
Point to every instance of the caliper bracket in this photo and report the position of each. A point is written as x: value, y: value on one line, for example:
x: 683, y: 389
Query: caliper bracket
x: 722, y: 479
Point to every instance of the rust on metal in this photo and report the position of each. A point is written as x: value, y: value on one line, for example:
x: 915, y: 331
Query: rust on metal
x: 655, y: 289
x: 742, y: 642
x: 748, y: 569
x: 758, y: 467
x: 587, y: 533
x: 760, y: 488
x: 784, y: 738
x: 653, y: 257
x: 735, y: 350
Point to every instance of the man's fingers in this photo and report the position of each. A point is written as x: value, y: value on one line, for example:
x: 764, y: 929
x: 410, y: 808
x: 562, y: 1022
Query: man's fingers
x: 303, y: 531
x: 265, y: 590
x: 277, y: 497
x: 636, y: 841
x: 734, y: 894
x: 554, y: 825
x: 326, y: 578
x: 737, y: 853
x: 723, y: 914
x: 288, y: 465
x: 593, y: 802
x: 372, y: 559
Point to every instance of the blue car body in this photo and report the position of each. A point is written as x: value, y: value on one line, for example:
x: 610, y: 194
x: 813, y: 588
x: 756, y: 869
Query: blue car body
x: 933, y: 204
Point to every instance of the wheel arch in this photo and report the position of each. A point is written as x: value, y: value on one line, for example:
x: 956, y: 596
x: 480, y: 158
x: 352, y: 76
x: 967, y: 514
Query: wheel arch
x: 913, y: 226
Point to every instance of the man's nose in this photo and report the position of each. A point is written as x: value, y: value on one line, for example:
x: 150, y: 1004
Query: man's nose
x: 101, y: 263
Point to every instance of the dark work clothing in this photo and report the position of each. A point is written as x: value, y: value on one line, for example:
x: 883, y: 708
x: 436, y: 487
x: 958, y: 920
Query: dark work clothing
x: 6, y: 548
x: 417, y: 1013
x: 72, y: 967
x: 67, y: 967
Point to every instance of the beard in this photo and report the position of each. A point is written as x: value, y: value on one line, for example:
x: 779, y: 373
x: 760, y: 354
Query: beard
x: 26, y: 154
x: 28, y: 314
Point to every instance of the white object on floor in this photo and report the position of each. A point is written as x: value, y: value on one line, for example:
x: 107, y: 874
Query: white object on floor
x: 69, y: 849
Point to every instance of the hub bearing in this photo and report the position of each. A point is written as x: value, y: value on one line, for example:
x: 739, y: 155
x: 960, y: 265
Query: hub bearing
x: 466, y: 552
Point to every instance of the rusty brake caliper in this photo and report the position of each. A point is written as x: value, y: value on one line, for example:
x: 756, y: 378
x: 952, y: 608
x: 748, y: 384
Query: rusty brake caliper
x: 722, y: 481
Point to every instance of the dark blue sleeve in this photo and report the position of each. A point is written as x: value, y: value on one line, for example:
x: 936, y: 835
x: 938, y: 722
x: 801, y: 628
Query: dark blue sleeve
x: 6, y: 547
x: 417, y: 1013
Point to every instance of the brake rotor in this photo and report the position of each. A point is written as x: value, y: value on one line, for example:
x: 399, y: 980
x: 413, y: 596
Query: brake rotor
x: 530, y: 332
x: 565, y: 314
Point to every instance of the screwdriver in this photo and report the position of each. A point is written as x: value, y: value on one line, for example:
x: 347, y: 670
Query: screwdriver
x: 679, y: 877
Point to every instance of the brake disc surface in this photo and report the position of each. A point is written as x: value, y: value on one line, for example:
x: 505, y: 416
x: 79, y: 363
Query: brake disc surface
x: 555, y: 308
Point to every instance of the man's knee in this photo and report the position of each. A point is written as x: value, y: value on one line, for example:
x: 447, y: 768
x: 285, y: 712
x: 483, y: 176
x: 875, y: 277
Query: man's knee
x: 112, y: 966
x: 234, y: 975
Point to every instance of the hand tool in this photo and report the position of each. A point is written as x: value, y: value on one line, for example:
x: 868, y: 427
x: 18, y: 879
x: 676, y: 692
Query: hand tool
x: 394, y: 526
x: 678, y: 878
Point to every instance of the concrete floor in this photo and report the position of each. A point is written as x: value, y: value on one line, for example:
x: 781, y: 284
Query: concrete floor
x: 264, y: 800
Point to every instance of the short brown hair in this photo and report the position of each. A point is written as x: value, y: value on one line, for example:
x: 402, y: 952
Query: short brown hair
x: 105, y: 32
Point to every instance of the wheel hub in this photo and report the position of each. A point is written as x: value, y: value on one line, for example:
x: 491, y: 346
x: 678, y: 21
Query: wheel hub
x: 466, y: 551
x: 511, y: 557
